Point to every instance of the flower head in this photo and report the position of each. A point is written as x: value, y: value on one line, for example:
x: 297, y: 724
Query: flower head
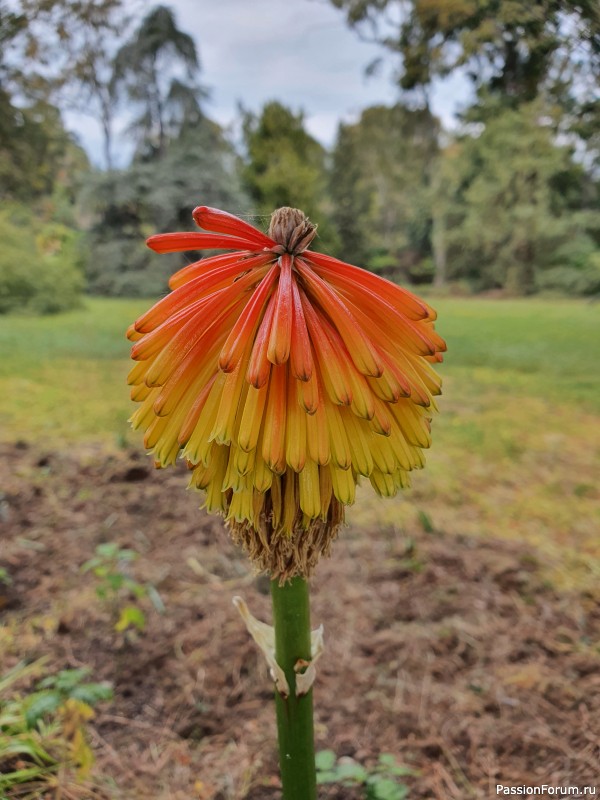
x: 282, y: 375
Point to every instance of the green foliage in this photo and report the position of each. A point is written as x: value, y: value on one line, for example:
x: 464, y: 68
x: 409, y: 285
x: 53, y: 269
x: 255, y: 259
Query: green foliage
x: 113, y: 584
x: 512, y: 206
x: 380, y: 782
x: 35, y: 150
x: 285, y: 166
x: 513, y: 53
x: 380, y: 185
x: 575, y: 268
x: 131, y: 204
x: 508, y: 48
x: 43, y: 734
x: 39, y: 264
x: 53, y: 692
x: 350, y: 207
x: 145, y: 66
x: 68, y: 47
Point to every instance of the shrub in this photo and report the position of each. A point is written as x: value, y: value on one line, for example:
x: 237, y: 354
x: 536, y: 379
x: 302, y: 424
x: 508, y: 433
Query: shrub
x: 39, y: 264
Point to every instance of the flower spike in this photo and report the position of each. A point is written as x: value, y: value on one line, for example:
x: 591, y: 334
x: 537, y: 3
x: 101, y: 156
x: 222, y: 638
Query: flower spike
x: 282, y: 375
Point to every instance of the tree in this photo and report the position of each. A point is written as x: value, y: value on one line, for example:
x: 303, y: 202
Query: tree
x: 150, y: 196
x: 69, y: 50
x: 158, y: 68
x: 40, y: 263
x: 380, y: 185
x: 350, y: 202
x: 510, y: 50
x: 517, y: 205
x: 34, y: 150
x: 285, y: 166
x: 12, y: 25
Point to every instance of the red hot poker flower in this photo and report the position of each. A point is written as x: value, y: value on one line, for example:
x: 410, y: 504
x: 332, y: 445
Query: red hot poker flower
x: 282, y: 375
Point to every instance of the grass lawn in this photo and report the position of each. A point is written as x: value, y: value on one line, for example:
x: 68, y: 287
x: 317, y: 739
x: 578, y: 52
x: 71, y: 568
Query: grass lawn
x: 516, y: 446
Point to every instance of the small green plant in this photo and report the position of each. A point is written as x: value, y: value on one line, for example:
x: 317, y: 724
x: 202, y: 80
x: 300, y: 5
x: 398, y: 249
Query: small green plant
x: 5, y: 577
x: 380, y: 782
x: 54, y: 691
x: 109, y: 566
x: 43, y: 735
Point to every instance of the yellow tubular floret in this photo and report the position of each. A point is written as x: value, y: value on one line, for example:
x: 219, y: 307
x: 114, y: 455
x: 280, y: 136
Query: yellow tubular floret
x: 233, y: 395
x: 310, y: 495
x: 252, y: 417
x: 338, y: 438
x: 199, y: 444
x: 318, y: 435
x: 296, y: 430
x: 273, y: 439
x: 358, y: 439
x: 344, y: 485
x: 325, y: 489
x: 262, y: 475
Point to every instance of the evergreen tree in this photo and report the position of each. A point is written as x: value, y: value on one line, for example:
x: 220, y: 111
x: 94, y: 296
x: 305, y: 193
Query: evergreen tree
x: 285, y: 166
x: 380, y: 183
x: 159, y: 69
x: 350, y: 203
x: 518, y: 205
x: 151, y: 196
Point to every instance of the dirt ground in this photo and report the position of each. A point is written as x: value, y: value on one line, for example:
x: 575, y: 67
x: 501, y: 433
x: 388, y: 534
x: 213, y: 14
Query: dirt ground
x: 455, y: 654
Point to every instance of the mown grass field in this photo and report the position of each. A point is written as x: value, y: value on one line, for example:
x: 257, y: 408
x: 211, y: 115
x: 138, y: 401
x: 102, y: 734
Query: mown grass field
x: 516, y: 446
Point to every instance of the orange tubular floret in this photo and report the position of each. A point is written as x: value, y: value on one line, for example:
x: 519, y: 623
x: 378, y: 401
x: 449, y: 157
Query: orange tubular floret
x: 413, y: 333
x: 132, y: 334
x: 259, y: 367
x: 278, y: 350
x: 205, y: 265
x: 356, y: 383
x: 195, y: 289
x: 198, y: 365
x: 150, y: 344
x: 213, y: 219
x: 338, y: 273
x: 243, y: 330
x: 329, y: 362
x: 361, y: 349
x: 189, y: 335
x: 308, y: 394
x: 181, y: 242
x: 201, y: 359
x: 301, y: 360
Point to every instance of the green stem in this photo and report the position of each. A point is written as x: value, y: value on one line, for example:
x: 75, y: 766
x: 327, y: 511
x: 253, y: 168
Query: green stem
x: 291, y: 617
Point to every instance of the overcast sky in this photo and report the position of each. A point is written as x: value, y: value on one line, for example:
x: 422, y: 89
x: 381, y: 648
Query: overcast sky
x: 300, y: 52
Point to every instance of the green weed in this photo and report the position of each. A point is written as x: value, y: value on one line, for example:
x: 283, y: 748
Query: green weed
x: 113, y: 584
x: 44, y: 748
x: 380, y: 782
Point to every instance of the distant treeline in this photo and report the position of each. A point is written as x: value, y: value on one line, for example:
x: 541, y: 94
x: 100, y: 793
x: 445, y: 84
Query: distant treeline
x: 508, y: 202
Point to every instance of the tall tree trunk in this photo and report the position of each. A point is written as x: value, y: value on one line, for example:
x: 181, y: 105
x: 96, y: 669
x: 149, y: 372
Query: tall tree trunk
x: 438, y: 242
x: 106, y: 128
x: 520, y: 275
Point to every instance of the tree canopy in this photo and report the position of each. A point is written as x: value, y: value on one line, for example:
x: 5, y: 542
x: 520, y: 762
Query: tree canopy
x: 507, y: 200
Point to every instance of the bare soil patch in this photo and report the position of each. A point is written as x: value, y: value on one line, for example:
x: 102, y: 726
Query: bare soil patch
x: 453, y: 653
